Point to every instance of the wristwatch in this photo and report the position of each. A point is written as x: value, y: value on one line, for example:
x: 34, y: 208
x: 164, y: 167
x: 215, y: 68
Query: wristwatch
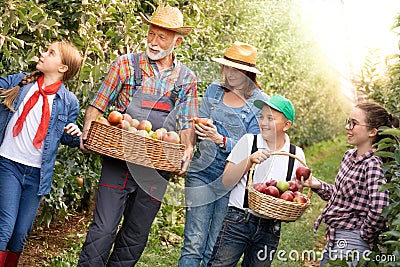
x: 222, y: 144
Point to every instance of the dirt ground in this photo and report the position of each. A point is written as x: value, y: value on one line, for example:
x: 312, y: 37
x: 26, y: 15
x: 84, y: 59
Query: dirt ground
x: 45, y: 242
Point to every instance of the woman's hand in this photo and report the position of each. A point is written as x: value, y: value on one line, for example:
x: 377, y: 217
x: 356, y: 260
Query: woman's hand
x: 72, y: 129
x: 208, y: 132
x: 259, y: 156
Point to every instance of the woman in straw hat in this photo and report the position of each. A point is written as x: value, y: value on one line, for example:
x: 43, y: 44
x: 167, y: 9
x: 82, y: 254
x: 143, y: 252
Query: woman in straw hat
x: 230, y: 113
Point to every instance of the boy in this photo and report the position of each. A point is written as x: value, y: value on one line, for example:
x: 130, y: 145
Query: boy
x: 243, y: 230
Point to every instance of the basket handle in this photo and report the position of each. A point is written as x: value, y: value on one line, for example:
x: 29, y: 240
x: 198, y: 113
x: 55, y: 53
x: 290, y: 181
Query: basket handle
x: 251, y: 171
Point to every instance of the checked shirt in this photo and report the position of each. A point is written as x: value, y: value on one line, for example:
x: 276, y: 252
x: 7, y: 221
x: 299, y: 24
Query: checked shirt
x: 354, y: 201
x: 119, y: 86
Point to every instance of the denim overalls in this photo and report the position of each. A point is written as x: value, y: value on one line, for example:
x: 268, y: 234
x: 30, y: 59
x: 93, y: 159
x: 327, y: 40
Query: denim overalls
x: 206, y: 197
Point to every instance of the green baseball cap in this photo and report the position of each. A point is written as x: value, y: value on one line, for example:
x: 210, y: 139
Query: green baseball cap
x: 280, y: 104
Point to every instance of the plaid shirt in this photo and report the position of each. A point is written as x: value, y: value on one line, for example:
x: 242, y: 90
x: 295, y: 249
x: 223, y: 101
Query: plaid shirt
x: 354, y: 199
x: 119, y: 86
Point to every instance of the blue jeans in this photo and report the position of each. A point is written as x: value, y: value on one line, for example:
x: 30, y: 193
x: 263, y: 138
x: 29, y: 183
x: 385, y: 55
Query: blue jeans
x: 19, y: 202
x: 348, y: 245
x: 207, y: 204
x: 243, y: 232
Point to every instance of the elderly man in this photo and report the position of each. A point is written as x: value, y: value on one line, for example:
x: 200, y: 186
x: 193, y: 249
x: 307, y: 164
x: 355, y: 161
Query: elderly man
x: 150, y: 85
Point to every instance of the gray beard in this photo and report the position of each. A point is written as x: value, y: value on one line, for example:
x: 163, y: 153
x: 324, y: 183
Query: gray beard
x: 162, y: 54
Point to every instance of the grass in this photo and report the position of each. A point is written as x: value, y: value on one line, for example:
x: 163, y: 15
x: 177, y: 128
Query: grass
x: 297, y: 238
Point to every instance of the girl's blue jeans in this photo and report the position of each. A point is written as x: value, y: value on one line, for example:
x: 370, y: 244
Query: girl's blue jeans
x: 19, y: 202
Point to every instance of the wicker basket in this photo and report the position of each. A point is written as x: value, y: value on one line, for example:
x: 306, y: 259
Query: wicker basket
x: 128, y: 146
x: 273, y: 207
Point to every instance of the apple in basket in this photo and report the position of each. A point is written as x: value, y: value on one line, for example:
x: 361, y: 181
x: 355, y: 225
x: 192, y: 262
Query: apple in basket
x: 127, y: 118
x: 287, y: 195
x: 272, y: 191
x: 303, y: 171
x: 115, y: 117
x: 271, y: 182
x: 293, y: 186
x: 260, y: 187
x: 171, y: 137
x: 145, y: 125
x: 158, y: 134
x: 124, y: 125
x: 135, y: 123
x: 300, y: 199
x: 132, y: 129
x: 283, y: 186
x: 142, y: 133
x: 103, y: 120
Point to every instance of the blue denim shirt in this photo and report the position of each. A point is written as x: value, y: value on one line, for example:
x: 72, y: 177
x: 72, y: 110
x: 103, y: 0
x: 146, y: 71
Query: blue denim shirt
x: 232, y: 123
x: 65, y: 110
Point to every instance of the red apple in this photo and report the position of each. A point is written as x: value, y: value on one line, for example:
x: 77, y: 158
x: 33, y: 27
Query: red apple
x: 135, y: 123
x: 302, y: 171
x: 298, y: 193
x: 288, y: 196
x: 201, y: 120
x: 272, y: 191
x: 293, y: 186
x: 127, y: 117
x: 79, y: 180
x: 300, y: 199
x: 171, y: 137
x: 271, y: 182
x: 124, y: 125
x: 103, y: 120
x: 145, y: 125
x: 260, y: 187
x: 115, y: 117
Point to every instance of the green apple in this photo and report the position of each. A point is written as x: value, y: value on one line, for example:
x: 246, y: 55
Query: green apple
x: 282, y: 186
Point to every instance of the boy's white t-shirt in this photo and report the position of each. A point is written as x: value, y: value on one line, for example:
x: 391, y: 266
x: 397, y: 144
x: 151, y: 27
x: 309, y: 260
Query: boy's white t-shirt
x: 275, y: 167
x: 20, y: 148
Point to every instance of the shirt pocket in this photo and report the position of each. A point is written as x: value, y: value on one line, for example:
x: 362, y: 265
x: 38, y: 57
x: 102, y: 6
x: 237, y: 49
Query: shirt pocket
x: 61, y: 123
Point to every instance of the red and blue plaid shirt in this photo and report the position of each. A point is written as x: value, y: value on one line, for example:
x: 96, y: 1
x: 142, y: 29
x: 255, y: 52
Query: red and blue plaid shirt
x: 119, y: 86
x: 354, y: 201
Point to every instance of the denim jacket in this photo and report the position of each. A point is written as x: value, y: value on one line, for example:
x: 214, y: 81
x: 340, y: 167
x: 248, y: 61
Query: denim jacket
x: 65, y: 110
x: 232, y: 123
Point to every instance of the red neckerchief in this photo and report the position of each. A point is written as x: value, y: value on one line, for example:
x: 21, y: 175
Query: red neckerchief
x: 44, y: 121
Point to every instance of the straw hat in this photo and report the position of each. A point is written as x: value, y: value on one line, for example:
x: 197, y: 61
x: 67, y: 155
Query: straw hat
x: 240, y: 56
x: 170, y: 18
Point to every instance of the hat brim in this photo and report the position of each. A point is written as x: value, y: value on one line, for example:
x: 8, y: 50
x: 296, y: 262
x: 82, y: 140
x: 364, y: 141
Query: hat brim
x: 261, y: 103
x: 184, y: 30
x: 236, y: 65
